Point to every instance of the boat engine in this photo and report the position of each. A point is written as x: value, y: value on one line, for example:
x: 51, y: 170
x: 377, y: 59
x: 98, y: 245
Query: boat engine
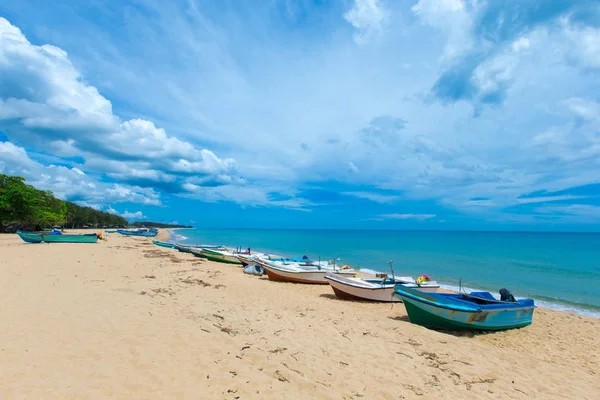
x: 505, y: 295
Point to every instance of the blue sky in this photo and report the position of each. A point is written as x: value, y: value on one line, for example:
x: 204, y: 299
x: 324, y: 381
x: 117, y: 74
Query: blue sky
x: 366, y: 114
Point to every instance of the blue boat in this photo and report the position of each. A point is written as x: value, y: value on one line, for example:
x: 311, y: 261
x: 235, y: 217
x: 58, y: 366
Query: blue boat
x: 474, y: 311
x: 139, y: 232
x: 164, y: 244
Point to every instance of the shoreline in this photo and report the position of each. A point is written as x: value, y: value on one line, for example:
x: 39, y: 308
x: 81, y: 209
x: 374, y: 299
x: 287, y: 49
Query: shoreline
x: 124, y: 318
x: 556, y: 304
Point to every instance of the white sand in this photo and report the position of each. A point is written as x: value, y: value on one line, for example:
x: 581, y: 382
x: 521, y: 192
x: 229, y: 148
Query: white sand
x: 129, y: 320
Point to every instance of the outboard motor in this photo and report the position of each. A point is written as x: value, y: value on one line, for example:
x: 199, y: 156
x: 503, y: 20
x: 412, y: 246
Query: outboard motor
x: 505, y: 295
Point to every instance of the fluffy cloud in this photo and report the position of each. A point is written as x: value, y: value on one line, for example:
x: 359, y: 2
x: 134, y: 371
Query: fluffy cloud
x: 486, y: 41
x: 131, y: 216
x: 46, y: 104
x: 70, y: 183
x: 368, y: 17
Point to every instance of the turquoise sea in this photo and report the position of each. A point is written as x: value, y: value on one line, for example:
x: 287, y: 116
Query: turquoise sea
x: 559, y: 270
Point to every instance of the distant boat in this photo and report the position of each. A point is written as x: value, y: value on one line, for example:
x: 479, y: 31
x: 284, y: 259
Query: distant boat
x: 139, y: 232
x: 164, y: 244
x: 293, y: 272
x: 374, y: 289
x: 32, y: 237
x: 474, y: 311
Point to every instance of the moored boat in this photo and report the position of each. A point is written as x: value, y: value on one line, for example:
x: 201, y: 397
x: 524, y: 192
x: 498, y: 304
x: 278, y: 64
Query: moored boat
x: 139, y: 232
x: 301, y: 274
x: 164, y: 244
x: 374, y: 289
x: 32, y: 237
x: 197, y: 252
x: 222, y: 256
x: 183, y: 248
x: 458, y: 311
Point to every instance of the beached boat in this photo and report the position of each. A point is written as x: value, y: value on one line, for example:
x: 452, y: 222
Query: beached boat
x: 301, y: 273
x: 251, y: 259
x: 32, y: 237
x: 374, y: 289
x: 139, y: 232
x: 222, y: 256
x: 184, y: 248
x: 164, y: 244
x: 457, y: 311
x: 197, y: 252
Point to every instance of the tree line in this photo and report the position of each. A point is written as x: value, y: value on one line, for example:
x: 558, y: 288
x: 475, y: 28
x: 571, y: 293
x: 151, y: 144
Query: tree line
x: 22, y: 206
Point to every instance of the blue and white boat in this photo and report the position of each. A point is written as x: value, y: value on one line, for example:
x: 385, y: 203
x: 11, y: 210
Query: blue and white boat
x: 140, y: 232
x: 456, y: 311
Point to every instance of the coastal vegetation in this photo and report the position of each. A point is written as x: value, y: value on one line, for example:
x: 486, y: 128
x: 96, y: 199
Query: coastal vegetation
x: 24, y: 206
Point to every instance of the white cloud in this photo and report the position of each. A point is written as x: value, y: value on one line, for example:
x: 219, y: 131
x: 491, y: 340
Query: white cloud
x: 70, y: 183
x: 580, y: 210
x: 585, y: 45
x: 376, y: 197
x: 368, y: 17
x: 452, y: 19
x: 48, y: 104
x: 255, y: 196
x: 138, y: 215
x: 418, y: 217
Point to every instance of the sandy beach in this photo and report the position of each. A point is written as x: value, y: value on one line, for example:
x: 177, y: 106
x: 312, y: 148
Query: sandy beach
x: 126, y: 319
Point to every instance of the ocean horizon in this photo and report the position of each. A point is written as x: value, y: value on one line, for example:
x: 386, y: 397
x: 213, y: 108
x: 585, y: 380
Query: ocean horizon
x: 560, y: 270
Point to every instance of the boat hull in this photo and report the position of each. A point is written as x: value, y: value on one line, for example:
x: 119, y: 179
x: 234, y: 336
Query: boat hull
x: 182, y: 248
x: 197, y: 252
x: 356, y: 289
x: 164, y: 244
x: 313, y: 277
x: 142, y: 234
x: 38, y: 238
x: 384, y: 295
x: 222, y: 258
x: 425, y: 312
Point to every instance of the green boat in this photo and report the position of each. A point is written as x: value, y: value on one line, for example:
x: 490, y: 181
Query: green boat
x: 459, y: 311
x: 226, y: 257
x: 32, y: 237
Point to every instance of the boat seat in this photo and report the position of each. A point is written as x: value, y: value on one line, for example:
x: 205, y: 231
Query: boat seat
x: 483, y: 295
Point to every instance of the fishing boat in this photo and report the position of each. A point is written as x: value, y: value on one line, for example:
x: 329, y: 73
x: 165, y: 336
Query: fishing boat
x: 139, y: 232
x: 297, y: 273
x: 164, y: 244
x: 222, y: 256
x: 374, y: 289
x: 461, y: 311
x: 251, y: 259
x: 197, y: 252
x: 184, y: 248
x: 32, y: 237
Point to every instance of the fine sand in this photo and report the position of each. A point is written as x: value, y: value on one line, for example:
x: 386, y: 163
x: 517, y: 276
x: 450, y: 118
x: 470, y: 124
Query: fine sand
x: 126, y: 319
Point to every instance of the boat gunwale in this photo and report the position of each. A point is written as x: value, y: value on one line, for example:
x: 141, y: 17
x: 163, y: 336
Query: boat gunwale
x: 336, y: 278
x: 457, y: 307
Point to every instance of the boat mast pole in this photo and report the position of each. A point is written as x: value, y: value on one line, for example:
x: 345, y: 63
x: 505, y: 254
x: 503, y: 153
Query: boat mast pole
x: 392, y: 269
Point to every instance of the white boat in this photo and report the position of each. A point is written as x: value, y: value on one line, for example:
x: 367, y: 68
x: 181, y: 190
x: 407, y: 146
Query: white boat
x: 250, y: 259
x: 374, y: 289
x: 301, y: 273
